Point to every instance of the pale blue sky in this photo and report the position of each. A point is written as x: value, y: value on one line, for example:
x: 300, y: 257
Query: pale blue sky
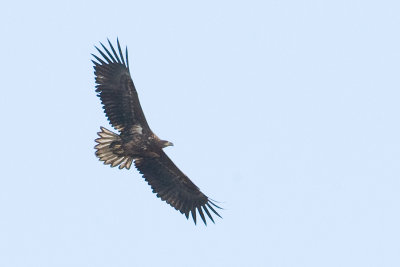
x: 285, y: 111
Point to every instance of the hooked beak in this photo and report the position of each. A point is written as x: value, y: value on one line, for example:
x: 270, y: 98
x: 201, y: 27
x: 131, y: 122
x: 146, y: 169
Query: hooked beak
x: 166, y: 143
x: 169, y: 144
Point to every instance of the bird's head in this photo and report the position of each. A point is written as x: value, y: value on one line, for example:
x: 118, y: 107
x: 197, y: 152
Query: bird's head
x: 165, y: 143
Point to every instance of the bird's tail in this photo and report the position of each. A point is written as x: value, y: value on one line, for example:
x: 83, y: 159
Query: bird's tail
x: 110, y: 151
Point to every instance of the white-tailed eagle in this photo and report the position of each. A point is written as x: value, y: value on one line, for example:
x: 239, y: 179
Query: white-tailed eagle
x: 135, y: 142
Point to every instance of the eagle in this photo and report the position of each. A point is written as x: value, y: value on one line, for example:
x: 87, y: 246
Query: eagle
x: 135, y: 142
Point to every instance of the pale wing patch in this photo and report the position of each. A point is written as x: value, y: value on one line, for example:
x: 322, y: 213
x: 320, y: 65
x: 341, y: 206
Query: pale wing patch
x: 137, y: 129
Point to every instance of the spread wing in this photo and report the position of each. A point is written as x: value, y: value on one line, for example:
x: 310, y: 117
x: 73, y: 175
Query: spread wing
x: 173, y: 186
x: 116, y: 90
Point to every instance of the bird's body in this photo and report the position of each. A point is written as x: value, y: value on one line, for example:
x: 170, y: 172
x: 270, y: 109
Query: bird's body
x: 136, y: 142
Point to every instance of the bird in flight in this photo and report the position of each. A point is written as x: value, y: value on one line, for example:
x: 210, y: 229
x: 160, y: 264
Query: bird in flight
x: 135, y: 142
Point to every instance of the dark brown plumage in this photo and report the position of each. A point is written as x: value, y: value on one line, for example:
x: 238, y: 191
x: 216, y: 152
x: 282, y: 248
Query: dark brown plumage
x: 136, y: 142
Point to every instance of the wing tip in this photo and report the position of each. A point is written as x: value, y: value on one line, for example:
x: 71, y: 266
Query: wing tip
x: 200, y: 209
x: 114, y: 57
